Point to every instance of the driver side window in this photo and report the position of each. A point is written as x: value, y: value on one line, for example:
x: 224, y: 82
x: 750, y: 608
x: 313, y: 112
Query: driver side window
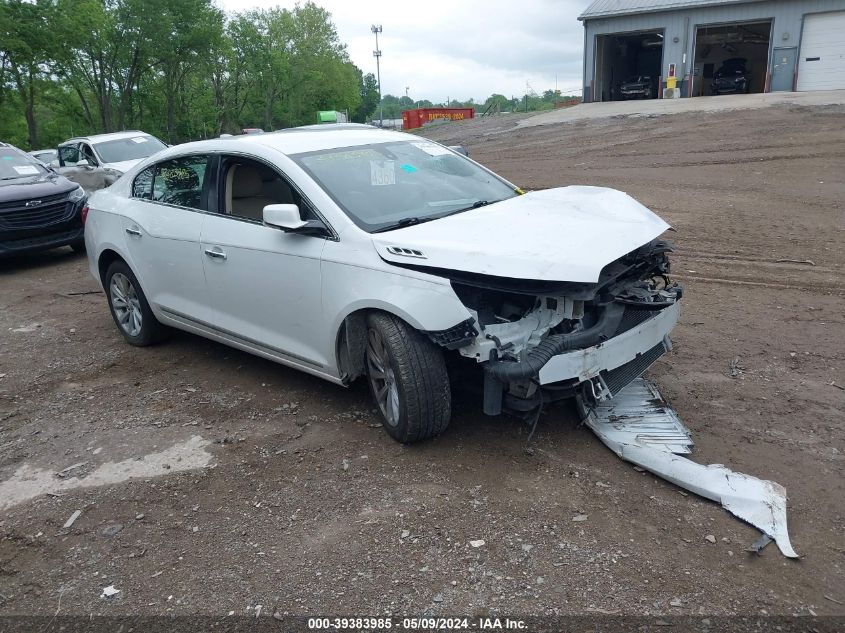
x: 69, y: 155
x: 249, y: 186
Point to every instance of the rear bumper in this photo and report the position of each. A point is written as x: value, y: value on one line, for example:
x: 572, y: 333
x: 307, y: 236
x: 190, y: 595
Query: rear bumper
x: 630, y: 352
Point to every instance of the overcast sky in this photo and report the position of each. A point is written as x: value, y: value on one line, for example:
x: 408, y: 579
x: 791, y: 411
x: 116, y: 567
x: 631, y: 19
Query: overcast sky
x: 459, y: 48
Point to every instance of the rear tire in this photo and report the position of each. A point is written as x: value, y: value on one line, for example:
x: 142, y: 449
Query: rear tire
x: 129, y: 307
x: 408, y: 379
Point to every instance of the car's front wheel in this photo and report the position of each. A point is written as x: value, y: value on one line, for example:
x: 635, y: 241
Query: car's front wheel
x: 408, y: 379
x: 129, y: 307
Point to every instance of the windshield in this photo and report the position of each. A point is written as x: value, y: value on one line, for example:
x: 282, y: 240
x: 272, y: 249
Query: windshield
x: 132, y: 148
x: 15, y: 164
x: 387, y: 185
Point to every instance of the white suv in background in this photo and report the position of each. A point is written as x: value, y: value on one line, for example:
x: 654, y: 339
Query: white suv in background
x: 98, y: 160
x: 349, y: 251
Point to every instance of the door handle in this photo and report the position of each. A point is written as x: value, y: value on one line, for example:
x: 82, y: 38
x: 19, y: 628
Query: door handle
x: 133, y: 231
x: 215, y: 253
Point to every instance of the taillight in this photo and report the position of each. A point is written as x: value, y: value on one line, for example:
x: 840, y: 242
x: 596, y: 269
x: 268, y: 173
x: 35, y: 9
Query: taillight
x: 83, y: 215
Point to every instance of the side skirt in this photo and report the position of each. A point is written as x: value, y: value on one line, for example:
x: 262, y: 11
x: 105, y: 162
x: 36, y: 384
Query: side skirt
x: 201, y: 328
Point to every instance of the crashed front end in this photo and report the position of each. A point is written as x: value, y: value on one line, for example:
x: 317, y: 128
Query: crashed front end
x: 543, y: 341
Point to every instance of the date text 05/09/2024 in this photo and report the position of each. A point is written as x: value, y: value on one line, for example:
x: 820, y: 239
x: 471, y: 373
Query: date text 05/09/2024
x: 415, y: 624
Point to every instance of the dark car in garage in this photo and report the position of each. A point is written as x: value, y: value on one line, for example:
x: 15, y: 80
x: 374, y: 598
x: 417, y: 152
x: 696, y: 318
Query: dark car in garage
x: 732, y: 77
x: 638, y: 87
x: 39, y: 209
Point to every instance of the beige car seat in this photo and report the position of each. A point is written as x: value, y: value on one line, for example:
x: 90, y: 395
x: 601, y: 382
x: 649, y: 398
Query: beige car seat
x: 245, y: 193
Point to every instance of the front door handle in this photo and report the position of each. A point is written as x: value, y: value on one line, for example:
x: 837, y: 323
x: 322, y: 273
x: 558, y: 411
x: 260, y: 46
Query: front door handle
x: 216, y: 253
x: 133, y: 231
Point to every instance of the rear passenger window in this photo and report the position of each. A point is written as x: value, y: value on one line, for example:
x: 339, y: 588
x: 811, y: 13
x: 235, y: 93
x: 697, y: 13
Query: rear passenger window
x: 143, y: 185
x: 180, y: 182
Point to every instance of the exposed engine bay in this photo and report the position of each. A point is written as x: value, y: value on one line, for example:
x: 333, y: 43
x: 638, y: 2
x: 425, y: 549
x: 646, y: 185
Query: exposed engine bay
x: 519, y: 326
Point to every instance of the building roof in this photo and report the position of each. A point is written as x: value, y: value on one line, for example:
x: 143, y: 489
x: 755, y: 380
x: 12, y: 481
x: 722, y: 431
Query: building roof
x: 609, y: 8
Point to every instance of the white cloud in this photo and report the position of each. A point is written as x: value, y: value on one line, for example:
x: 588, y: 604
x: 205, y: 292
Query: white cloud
x: 459, y: 49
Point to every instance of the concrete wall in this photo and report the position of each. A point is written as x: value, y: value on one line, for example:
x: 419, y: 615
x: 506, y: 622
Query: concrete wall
x: 788, y: 16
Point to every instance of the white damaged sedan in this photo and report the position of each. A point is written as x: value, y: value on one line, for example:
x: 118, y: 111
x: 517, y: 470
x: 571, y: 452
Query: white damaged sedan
x: 346, y: 251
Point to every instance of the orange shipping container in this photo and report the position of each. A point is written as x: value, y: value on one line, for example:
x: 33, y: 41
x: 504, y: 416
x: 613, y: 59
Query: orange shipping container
x: 412, y: 119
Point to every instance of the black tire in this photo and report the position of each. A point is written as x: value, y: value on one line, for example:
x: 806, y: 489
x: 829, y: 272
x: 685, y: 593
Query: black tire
x: 78, y: 246
x: 149, y: 330
x: 415, y: 366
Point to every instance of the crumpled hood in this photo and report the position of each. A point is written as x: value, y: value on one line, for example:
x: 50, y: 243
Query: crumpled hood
x: 564, y: 234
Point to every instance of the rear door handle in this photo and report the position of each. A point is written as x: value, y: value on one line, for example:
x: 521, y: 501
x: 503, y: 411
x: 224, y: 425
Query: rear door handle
x: 133, y: 231
x: 215, y: 253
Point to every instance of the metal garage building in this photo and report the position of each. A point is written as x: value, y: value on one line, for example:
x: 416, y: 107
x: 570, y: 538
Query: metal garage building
x: 785, y: 44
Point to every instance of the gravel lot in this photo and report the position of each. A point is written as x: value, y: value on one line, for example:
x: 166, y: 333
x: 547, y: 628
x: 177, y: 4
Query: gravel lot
x: 212, y: 481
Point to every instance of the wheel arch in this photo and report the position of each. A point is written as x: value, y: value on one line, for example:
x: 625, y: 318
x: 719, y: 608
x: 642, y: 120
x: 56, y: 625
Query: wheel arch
x: 350, y: 337
x: 105, y: 259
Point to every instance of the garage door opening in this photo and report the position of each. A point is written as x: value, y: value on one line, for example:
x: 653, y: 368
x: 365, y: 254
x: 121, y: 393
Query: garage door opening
x: 731, y: 58
x: 628, y: 65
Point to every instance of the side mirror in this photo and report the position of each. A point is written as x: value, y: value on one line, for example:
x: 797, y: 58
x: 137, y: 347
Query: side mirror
x: 82, y: 163
x: 286, y: 217
x: 283, y: 216
x: 460, y: 149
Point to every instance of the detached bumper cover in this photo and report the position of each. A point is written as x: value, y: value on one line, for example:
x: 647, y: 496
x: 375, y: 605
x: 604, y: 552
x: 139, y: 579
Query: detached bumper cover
x: 641, y: 428
x: 640, y: 345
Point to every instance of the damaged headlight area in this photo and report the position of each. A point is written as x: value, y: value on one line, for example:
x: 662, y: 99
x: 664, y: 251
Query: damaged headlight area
x: 542, y: 341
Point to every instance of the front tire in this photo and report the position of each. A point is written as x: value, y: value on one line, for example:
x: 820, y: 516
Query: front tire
x: 408, y: 380
x: 129, y: 307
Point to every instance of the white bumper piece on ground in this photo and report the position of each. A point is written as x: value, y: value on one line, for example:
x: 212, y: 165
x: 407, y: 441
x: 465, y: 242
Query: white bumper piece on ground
x: 639, y: 427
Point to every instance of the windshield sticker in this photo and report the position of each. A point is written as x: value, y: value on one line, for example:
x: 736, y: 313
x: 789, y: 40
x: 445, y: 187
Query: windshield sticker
x: 432, y: 149
x: 26, y: 170
x: 8, y: 158
x: 139, y: 139
x: 408, y: 168
x: 382, y: 173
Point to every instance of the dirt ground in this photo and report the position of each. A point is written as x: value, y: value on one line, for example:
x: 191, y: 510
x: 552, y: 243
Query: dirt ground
x: 210, y: 481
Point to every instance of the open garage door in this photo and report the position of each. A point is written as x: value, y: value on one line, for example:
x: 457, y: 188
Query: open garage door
x: 821, y: 64
x: 627, y: 65
x: 731, y: 58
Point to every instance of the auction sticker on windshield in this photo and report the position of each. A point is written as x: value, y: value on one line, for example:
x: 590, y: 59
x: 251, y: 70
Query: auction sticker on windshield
x: 432, y: 149
x: 139, y: 139
x: 26, y: 170
x: 382, y: 173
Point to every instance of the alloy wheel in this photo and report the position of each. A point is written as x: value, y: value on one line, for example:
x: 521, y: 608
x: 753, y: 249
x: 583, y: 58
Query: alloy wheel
x: 382, y: 378
x: 126, y: 304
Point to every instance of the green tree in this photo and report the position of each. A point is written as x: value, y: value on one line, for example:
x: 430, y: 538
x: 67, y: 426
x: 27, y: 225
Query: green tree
x: 26, y: 46
x: 369, y: 99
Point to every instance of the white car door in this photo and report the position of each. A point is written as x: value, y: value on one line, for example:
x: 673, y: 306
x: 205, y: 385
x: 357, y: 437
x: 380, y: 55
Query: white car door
x: 264, y: 284
x: 162, y: 221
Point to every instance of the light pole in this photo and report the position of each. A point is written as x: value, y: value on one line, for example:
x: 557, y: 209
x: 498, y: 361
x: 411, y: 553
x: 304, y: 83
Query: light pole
x: 376, y: 29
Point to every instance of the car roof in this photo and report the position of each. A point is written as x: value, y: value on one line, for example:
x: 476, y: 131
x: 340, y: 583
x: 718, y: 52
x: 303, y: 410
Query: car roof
x: 309, y: 138
x: 111, y: 136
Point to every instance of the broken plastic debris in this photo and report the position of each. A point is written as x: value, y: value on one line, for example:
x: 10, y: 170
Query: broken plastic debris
x: 109, y: 591
x: 477, y: 543
x: 73, y: 517
x: 641, y: 428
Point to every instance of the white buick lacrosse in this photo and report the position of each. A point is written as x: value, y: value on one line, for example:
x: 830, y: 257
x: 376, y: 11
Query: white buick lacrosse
x: 346, y: 251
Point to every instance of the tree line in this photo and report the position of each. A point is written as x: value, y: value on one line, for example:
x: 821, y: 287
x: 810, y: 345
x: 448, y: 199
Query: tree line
x: 183, y: 70
x: 178, y: 69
